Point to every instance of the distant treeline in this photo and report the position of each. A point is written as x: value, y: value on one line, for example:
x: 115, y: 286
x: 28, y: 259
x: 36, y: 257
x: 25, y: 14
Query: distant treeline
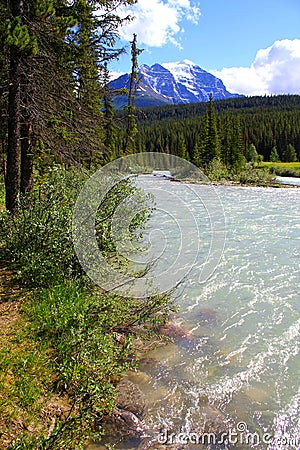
x: 267, y: 123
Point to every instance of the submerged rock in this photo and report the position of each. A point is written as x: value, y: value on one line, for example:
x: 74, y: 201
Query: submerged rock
x: 176, y: 331
x: 209, y: 419
x: 207, y: 315
x: 124, y: 424
x: 130, y: 398
x: 138, y: 377
x: 126, y: 421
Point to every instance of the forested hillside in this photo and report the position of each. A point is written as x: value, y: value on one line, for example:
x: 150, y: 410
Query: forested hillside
x: 270, y: 124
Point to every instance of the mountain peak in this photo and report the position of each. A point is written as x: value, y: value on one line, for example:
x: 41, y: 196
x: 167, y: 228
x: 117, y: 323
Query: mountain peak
x: 174, y: 83
x: 187, y: 62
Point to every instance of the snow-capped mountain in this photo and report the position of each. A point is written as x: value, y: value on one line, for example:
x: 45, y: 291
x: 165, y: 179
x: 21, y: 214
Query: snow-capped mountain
x: 174, y: 83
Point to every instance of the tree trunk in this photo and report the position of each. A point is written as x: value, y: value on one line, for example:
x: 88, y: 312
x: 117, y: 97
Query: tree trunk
x: 13, y: 141
x: 27, y: 83
x: 26, y: 184
x: 14, y: 115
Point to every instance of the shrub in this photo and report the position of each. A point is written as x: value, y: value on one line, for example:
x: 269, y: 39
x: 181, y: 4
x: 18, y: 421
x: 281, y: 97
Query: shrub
x: 38, y: 241
x: 217, y: 171
x: 252, y: 175
x: 285, y: 171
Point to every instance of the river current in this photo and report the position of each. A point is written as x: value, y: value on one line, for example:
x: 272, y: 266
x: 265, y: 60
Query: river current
x: 241, y: 366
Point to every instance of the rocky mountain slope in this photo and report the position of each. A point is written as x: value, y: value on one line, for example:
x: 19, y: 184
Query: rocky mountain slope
x: 173, y: 83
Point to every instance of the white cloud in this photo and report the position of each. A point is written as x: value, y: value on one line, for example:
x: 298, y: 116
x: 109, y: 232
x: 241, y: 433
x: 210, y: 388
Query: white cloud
x: 275, y: 70
x: 157, y: 22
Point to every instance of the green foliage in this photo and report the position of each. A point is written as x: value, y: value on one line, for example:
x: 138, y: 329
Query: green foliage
x: 211, y: 148
x: 274, y: 157
x: 38, y: 241
x: 283, y: 169
x: 44, y: 8
x: 289, y: 154
x: 217, y: 171
x: 84, y: 334
x: 18, y: 36
x: 182, y: 151
x: 261, y: 121
x: 2, y: 191
x: 252, y: 175
x: 104, y: 218
x: 251, y: 154
x: 196, y: 156
x: 82, y: 328
x: 91, y: 335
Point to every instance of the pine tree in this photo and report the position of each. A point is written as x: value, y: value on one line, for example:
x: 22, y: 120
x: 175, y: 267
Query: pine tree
x: 237, y: 159
x: 211, y: 148
x: 181, y: 148
x: 251, y: 154
x: 289, y: 155
x: 274, y: 157
x: 197, y: 159
x: 20, y: 46
x: 226, y: 138
x: 52, y: 59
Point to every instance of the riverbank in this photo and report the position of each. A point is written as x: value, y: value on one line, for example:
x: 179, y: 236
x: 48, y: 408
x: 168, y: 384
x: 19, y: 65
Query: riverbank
x: 283, y: 169
x: 56, y: 385
x: 28, y: 405
x: 66, y: 343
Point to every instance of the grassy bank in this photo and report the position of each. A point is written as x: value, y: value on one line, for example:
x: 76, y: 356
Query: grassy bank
x: 26, y: 399
x: 284, y: 169
x: 65, y: 342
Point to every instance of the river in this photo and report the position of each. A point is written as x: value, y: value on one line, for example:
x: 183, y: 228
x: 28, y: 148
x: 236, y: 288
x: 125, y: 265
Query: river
x: 242, y: 364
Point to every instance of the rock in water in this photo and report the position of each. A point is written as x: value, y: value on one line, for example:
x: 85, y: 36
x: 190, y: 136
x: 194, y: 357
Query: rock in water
x: 130, y: 398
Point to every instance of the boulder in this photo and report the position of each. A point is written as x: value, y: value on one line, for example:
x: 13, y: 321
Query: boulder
x: 130, y: 398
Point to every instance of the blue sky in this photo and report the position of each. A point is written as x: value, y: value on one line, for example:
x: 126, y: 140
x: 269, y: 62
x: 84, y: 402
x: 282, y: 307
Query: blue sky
x: 253, y: 46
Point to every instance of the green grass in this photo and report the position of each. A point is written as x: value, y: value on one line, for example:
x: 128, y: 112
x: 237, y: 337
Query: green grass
x: 26, y: 375
x: 291, y: 169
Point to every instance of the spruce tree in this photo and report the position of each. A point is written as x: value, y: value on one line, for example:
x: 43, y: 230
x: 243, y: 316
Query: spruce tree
x: 251, y: 154
x: 211, y: 147
x: 52, y: 59
x: 289, y: 154
x: 181, y: 148
x: 274, y: 157
x: 20, y: 45
x: 197, y: 159
x: 237, y: 159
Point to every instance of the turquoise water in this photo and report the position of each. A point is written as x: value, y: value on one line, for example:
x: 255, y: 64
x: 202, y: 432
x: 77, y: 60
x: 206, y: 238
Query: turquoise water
x: 242, y: 363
